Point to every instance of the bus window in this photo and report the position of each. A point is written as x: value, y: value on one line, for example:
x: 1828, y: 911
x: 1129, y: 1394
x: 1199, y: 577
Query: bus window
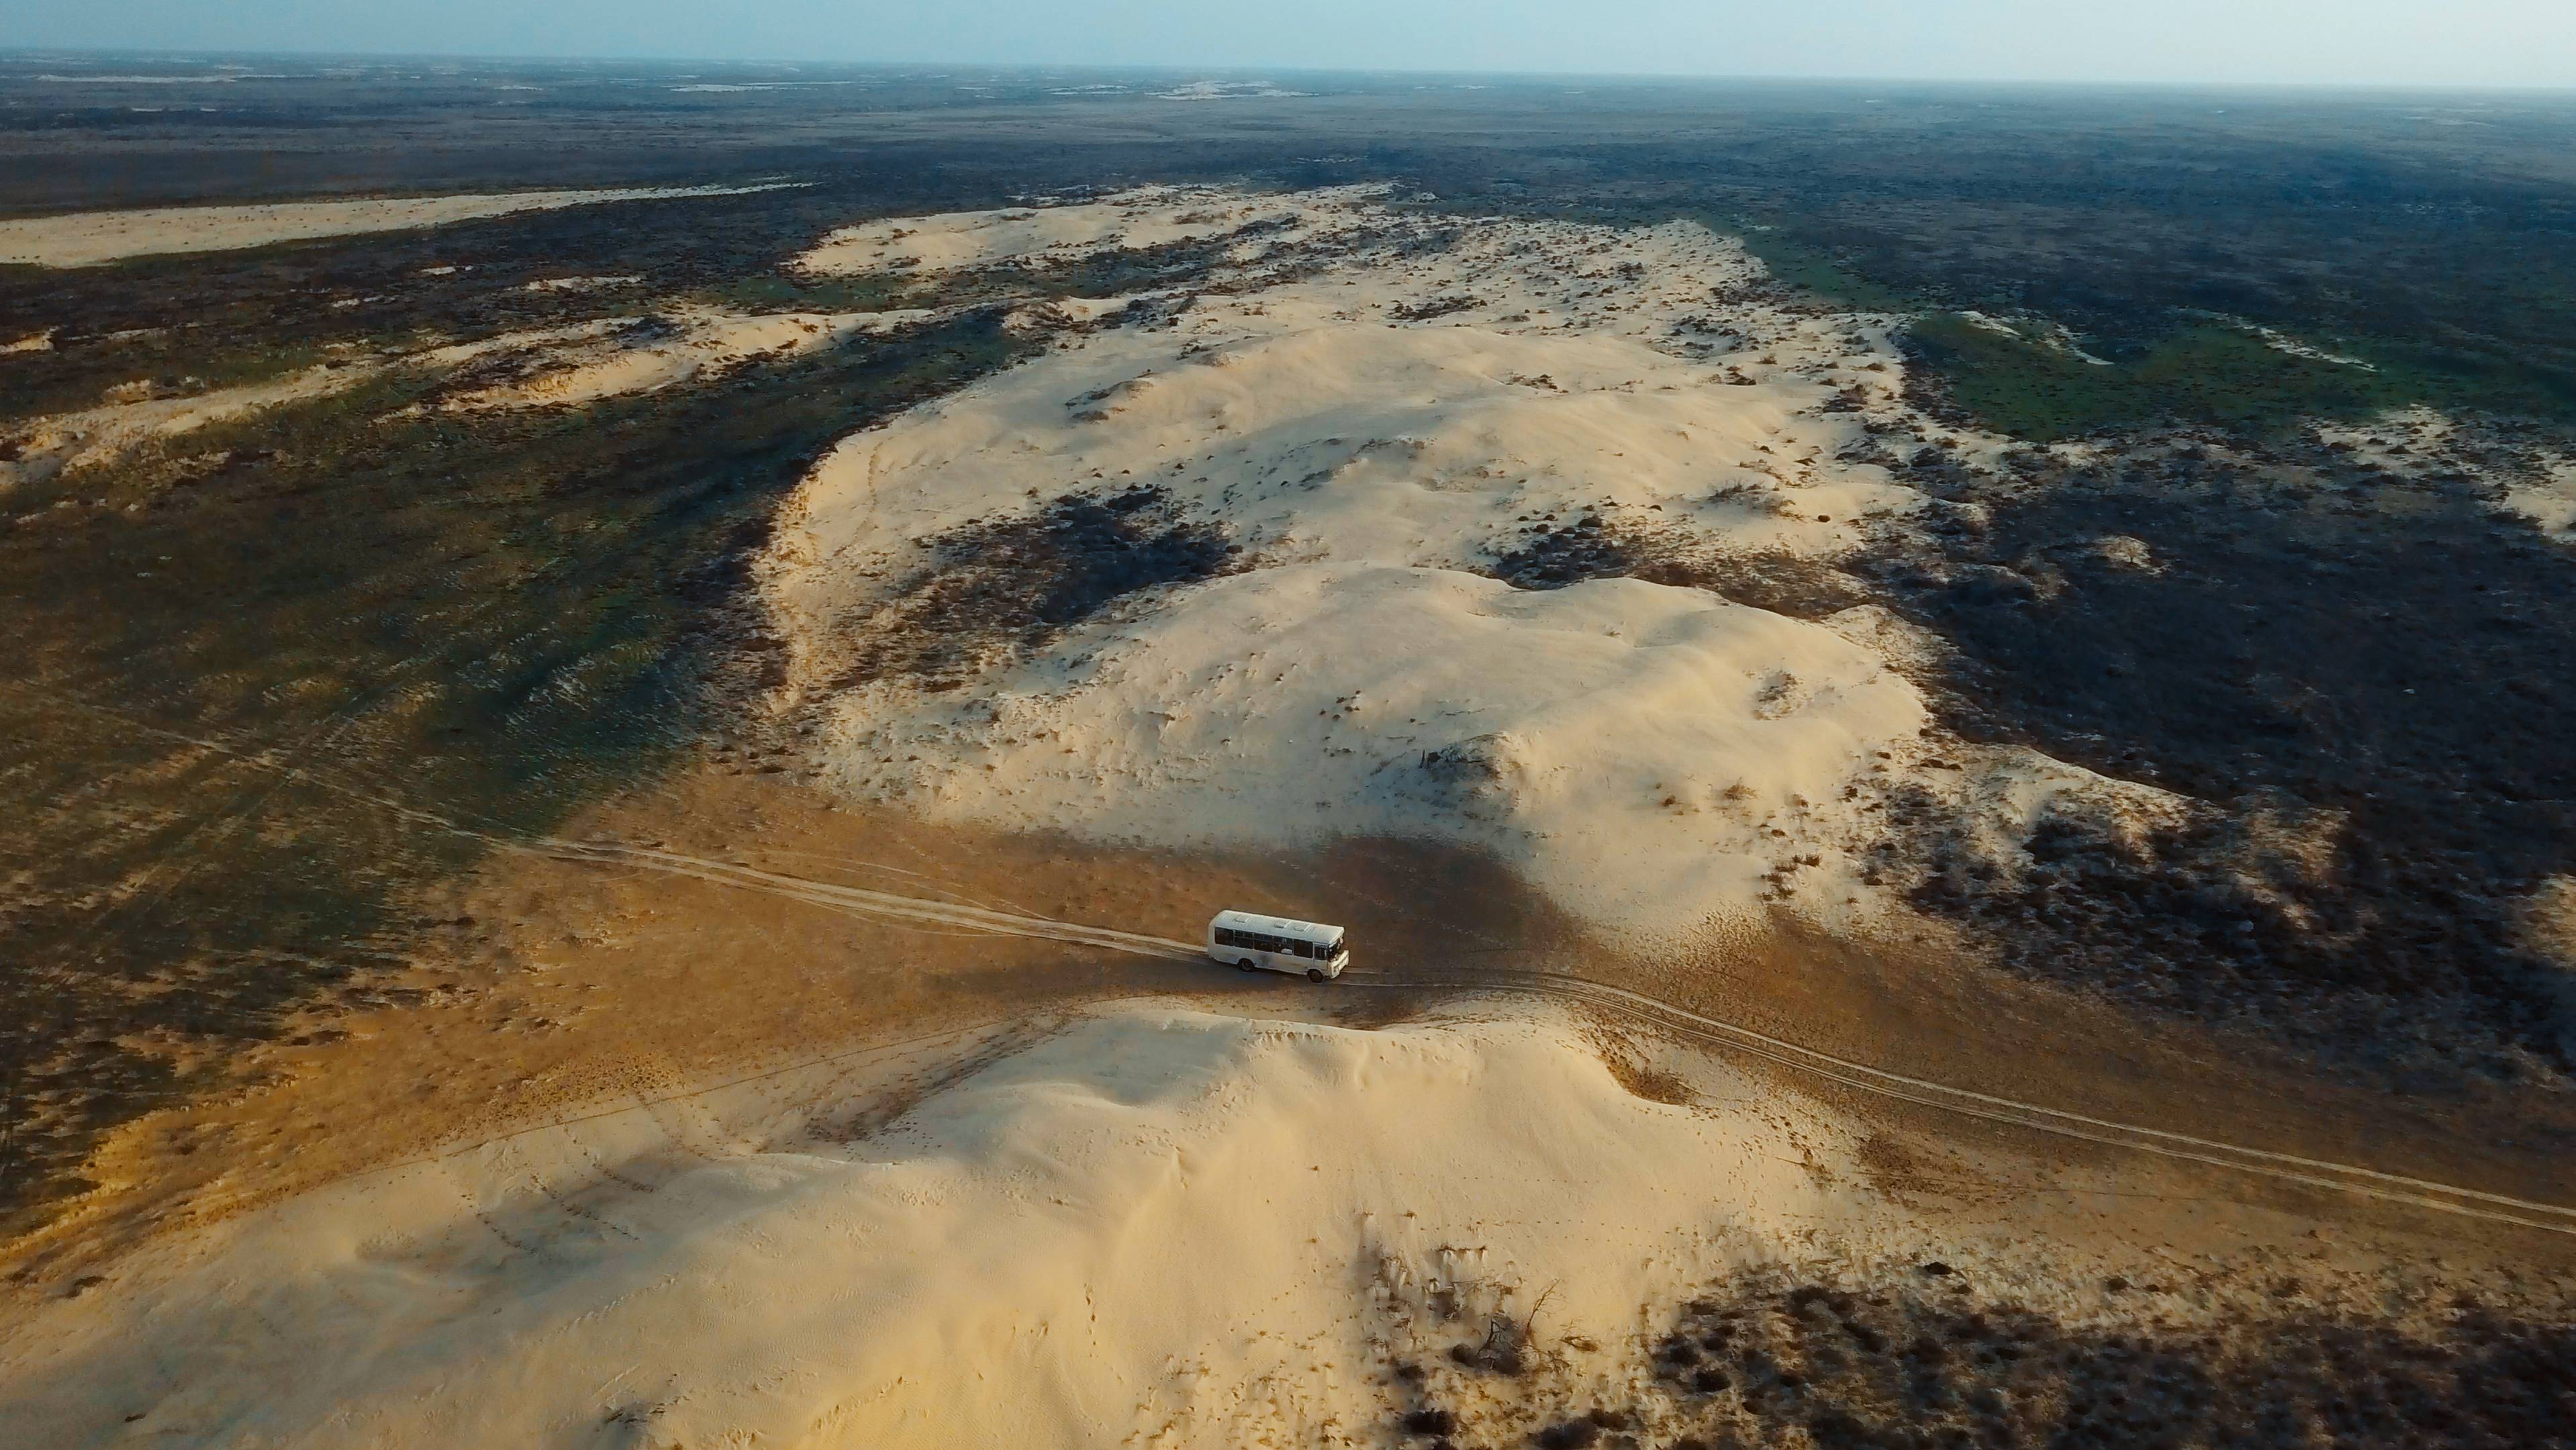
x: 1301, y: 948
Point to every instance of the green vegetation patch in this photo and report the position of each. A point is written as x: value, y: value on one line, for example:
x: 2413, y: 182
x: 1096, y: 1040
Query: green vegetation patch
x: 2207, y: 373
x: 1812, y: 268
x: 876, y: 292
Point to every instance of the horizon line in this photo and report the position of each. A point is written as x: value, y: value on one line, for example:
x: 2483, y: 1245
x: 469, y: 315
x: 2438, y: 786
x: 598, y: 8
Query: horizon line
x: 2567, y: 88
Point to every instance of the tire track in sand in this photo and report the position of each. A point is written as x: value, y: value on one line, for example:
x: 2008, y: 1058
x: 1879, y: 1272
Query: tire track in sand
x: 1617, y: 1001
x: 1639, y: 1008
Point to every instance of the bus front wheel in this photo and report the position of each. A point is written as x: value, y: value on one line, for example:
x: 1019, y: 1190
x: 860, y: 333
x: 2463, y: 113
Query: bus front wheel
x: 1314, y: 974
x: 1244, y: 966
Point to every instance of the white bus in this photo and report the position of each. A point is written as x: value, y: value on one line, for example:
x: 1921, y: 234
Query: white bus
x: 1254, y: 942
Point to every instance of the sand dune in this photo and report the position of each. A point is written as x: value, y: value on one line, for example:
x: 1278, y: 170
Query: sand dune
x: 1375, y: 436
x: 541, y: 367
x: 2548, y: 500
x: 1630, y: 746
x: 1193, y: 1229
x: 1149, y: 217
x: 92, y: 238
x: 643, y: 354
x: 132, y: 417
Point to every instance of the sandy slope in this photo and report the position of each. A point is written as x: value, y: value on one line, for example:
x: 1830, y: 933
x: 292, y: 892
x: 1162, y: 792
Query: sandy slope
x: 91, y: 238
x: 636, y: 355
x: 557, y: 366
x: 1160, y: 1226
x: 1147, y: 217
x: 2548, y: 499
x: 45, y: 446
x: 1629, y: 745
x: 1374, y: 408
x: 2539, y: 484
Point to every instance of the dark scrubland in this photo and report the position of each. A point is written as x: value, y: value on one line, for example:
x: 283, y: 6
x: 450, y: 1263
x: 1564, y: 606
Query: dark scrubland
x: 1590, y: 544
x: 1926, y: 1365
x: 267, y: 684
x: 2433, y: 237
x: 996, y: 586
x: 189, y: 323
x: 2364, y: 677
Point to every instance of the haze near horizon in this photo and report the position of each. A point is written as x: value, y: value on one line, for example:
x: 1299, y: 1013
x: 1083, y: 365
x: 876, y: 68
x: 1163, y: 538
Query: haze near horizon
x: 2477, y: 43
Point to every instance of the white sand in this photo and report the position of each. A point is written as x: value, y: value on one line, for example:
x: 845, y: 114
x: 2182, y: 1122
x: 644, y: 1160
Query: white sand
x: 46, y: 446
x: 628, y: 356
x: 578, y: 363
x: 2280, y: 341
x: 1160, y: 1227
x: 582, y: 284
x: 2401, y: 440
x: 1228, y: 91
x: 1630, y: 746
x: 2538, y: 484
x: 1649, y: 754
x: 2547, y: 499
x: 90, y: 238
x: 1149, y: 217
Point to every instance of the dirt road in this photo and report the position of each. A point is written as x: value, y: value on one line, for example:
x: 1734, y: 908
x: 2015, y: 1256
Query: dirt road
x: 1635, y: 1007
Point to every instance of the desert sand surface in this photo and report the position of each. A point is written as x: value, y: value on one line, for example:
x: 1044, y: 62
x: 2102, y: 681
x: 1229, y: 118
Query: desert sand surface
x: 660, y: 1159
x: 90, y: 239
x: 1371, y: 433
x: 1147, y: 217
x: 1158, y: 1223
x: 2548, y: 500
x: 689, y: 1132
x: 1158, y: 1149
x: 643, y: 354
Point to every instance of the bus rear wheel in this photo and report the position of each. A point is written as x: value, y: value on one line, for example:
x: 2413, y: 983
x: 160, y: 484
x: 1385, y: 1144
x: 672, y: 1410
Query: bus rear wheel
x: 1244, y: 966
x: 1314, y: 974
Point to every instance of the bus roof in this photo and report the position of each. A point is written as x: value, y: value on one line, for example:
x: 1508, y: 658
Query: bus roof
x: 1276, y: 925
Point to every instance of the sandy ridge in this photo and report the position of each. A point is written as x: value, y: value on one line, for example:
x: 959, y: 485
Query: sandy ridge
x: 95, y: 238
x: 2441, y: 1197
x: 1285, y: 1211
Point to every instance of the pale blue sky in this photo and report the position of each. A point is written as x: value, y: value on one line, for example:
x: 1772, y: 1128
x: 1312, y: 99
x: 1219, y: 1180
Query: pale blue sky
x: 2418, y: 42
